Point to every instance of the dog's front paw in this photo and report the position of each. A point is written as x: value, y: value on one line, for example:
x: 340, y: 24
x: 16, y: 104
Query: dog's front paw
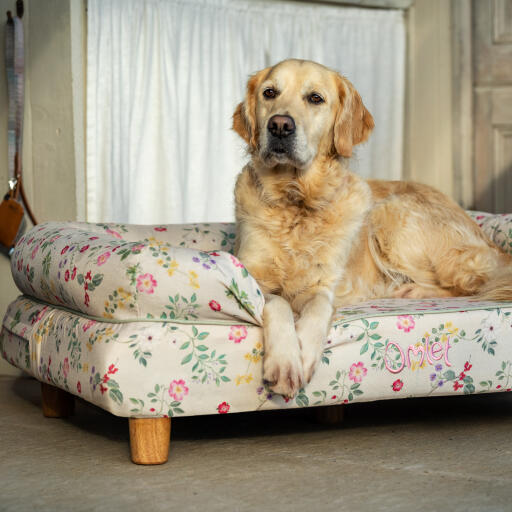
x: 282, y: 370
x: 310, y: 358
x: 311, y: 340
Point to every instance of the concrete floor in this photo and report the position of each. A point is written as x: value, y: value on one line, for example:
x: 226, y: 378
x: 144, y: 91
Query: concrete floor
x: 405, y: 455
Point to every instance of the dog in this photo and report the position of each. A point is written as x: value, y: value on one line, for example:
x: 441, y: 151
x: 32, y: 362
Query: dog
x: 316, y: 236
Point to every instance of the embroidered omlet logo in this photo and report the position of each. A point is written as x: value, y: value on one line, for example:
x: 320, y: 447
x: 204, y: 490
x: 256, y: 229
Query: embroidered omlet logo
x: 432, y: 352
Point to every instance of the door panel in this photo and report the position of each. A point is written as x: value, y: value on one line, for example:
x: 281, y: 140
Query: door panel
x: 492, y: 100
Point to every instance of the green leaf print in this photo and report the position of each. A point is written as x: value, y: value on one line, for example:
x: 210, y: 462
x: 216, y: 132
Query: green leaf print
x: 181, y: 308
x: 46, y: 264
x: 207, y: 367
x: 241, y: 297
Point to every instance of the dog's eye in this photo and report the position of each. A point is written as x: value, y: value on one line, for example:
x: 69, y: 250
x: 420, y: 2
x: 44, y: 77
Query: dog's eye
x: 315, y: 98
x: 270, y: 93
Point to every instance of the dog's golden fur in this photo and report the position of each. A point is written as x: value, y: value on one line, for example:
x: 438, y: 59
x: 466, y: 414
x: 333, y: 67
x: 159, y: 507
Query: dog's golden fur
x: 315, y: 236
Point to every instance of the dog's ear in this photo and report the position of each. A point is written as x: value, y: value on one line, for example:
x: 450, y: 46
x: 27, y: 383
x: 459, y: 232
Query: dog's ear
x: 353, y: 123
x: 244, y: 118
x: 241, y: 123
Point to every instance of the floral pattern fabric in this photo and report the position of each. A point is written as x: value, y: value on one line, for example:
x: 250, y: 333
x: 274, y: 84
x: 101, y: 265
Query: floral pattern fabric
x: 136, y: 273
x: 146, y: 369
x: 154, y: 340
x: 497, y: 227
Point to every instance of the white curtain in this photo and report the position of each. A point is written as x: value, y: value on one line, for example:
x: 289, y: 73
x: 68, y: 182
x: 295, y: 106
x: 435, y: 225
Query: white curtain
x: 164, y: 77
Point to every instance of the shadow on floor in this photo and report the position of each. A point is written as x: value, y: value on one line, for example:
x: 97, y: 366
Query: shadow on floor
x: 433, y: 411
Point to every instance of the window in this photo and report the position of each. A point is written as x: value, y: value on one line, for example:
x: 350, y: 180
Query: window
x: 164, y: 77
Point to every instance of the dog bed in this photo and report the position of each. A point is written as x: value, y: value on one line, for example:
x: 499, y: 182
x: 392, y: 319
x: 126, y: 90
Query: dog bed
x: 154, y: 322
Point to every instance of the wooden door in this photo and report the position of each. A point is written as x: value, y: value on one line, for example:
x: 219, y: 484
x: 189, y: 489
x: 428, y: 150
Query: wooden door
x: 492, y: 96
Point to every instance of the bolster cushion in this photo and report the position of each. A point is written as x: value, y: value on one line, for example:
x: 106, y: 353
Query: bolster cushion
x: 498, y: 227
x: 131, y: 273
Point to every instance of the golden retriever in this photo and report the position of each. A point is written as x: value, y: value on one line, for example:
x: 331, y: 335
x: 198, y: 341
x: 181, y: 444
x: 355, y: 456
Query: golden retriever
x: 316, y: 236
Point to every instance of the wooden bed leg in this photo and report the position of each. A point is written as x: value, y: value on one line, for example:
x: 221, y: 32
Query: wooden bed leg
x: 330, y: 414
x: 56, y: 402
x: 149, y: 440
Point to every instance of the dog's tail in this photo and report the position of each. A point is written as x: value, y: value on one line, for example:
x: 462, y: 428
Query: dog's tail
x: 499, y: 285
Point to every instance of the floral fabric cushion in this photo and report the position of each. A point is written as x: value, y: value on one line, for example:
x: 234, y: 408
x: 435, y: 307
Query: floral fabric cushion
x: 377, y: 351
x: 137, y: 272
x: 497, y: 227
x: 156, y: 320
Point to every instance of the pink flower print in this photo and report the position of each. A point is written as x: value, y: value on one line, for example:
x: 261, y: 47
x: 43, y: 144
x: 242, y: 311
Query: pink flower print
x: 178, y: 390
x: 405, y: 322
x: 65, y: 367
x: 87, y: 299
x: 467, y: 366
x: 236, y: 262
x: 88, y: 276
x: 102, y: 258
x: 238, y: 333
x: 113, y: 233
x: 397, y: 385
x: 160, y: 229
x: 39, y: 315
x: 457, y: 385
x: 88, y: 325
x: 357, y: 372
x: 214, y: 305
x: 223, y: 408
x: 137, y: 248
x: 146, y: 283
x: 84, y: 248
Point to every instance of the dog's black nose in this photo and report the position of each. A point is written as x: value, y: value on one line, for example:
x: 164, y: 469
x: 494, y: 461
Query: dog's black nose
x: 281, y: 126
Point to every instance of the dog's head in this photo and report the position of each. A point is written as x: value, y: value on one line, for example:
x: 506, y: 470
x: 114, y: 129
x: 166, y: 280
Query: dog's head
x: 298, y: 110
